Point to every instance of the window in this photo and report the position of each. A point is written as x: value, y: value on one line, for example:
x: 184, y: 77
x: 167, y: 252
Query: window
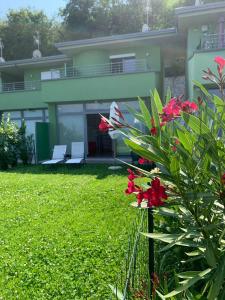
x: 124, y: 63
x: 33, y: 114
x: 49, y: 75
x: 46, y: 75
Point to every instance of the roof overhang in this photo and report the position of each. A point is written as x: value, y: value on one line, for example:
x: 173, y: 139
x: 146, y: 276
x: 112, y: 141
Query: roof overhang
x: 190, y: 16
x: 47, y: 61
x: 124, y: 40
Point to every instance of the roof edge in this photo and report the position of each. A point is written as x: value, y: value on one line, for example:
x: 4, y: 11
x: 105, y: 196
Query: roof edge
x: 116, y: 38
x: 195, y: 9
x: 30, y: 61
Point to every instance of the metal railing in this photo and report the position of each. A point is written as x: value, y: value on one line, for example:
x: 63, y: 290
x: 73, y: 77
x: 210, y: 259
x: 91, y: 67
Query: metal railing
x: 213, y: 41
x: 133, y: 279
x: 20, y: 86
x: 123, y: 67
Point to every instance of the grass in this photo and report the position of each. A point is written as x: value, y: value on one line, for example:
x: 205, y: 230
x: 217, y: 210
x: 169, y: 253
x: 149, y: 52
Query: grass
x: 63, y: 233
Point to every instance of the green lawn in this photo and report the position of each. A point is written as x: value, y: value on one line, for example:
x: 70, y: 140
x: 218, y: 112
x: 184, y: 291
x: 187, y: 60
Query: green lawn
x: 63, y: 233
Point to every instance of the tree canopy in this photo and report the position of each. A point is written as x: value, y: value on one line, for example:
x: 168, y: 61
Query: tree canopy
x: 18, y: 29
x: 91, y: 18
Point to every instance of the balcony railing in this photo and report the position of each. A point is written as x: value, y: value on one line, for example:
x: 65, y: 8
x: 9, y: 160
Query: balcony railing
x: 124, y: 67
x: 20, y: 86
x: 213, y: 41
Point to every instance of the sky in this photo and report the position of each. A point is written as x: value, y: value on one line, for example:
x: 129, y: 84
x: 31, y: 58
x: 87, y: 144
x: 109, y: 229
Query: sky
x: 50, y: 7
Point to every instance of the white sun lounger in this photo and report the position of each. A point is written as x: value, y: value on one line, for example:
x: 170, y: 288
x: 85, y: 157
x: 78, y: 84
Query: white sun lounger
x: 57, y: 156
x: 77, y: 153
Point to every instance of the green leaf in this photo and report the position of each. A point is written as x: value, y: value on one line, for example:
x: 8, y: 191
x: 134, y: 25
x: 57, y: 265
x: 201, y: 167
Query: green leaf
x: 167, y: 238
x: 219, y: 103
x: 158, y: 102
x: 155, y: 115
x: 218, y: 280
x: 188, y: 283
x: 210, y: 254
x: 164, y: 211
x: 175, y: 166
x: 196, y: 124
x: 188, y: 274
x: 172, y: 239
x: 117, y: 292
x: 202, y: 88
x: 142, y: 151
x: 168, y: 95
x: 145, y: 113
x: 136, y: 114
x: 193, y: 253
x: 185, y: 141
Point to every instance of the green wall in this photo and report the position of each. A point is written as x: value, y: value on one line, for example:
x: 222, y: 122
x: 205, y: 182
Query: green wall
x: 199, y: 62
x: 21, y: 100
x: 100, y: 88
x: 101, y: 56
x: 193, y: 41
x: 91, y: 57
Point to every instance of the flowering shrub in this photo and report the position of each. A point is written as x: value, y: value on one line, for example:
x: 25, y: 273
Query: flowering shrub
x: 186, y: 140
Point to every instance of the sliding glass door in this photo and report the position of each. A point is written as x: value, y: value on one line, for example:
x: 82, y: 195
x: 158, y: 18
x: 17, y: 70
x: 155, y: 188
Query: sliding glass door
x: 70, y: 124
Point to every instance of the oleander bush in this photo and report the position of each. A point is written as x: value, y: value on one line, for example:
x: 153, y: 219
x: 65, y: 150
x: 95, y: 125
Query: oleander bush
x: 186, y: 191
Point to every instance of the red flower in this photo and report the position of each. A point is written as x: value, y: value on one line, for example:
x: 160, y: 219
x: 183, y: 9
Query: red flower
x: 171, y: 110
x: 153, y: 131
x: 223, y: 179
x: 155, y: 194
x: 174, y: 108
x: 143, y: 161
x: 132, y: 175
x: 131, y: 188
x: 140, y: 197
x: 174, y: 148
x: 189, y: 107
x: 177, y: 142
x: 221, y: 63
x: 104, y: 126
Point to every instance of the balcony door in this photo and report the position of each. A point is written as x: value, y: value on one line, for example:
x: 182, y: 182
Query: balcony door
x: 124, y: 63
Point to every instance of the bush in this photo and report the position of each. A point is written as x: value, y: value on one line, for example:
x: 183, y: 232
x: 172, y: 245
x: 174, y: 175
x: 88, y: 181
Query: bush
x: 9, y: 140
x: 187, y: 142
x: 14, y: 144
x: 26, y: 145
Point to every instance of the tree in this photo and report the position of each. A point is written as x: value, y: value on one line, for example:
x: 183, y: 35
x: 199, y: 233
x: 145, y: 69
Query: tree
x: 18, y: 30
x: 92, y: 18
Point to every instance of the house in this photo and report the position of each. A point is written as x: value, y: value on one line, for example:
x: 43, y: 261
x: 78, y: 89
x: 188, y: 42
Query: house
x: 60, y: 97
x: 204, y: 29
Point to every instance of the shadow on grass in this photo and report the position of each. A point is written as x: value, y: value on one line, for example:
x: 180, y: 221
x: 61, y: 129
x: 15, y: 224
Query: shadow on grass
x: 99, y: 170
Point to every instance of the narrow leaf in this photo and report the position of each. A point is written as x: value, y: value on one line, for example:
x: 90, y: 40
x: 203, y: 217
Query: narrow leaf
x: 188, y: 283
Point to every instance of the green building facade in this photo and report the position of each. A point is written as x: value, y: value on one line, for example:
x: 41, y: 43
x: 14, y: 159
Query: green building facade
x: 60, y: 97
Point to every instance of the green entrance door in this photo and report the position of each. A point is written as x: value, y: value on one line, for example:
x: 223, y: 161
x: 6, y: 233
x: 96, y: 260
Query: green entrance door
x: 42, y: 141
